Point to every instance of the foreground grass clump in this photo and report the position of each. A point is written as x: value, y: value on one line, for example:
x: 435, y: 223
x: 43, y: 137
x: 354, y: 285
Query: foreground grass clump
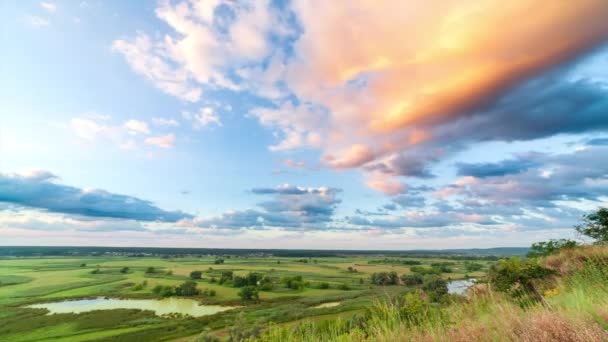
x: 573, y: 306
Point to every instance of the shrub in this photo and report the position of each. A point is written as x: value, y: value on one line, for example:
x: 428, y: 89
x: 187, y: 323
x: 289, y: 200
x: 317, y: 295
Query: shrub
x: 164, y: 291
x: 150, y: 270
x: 412, y: 279
x: 187, y: 288
x: 196, y: 274
x: 472, y: 266
x: 124, y: 270
x: 344, y: 287
x: 323, y: 285
x: 95, y: 271
x: 249, y: 293
x: 385, y: 278
x: 435, y: 287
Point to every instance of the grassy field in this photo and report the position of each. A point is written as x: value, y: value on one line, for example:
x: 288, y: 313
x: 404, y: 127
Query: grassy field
x: 32, y: 280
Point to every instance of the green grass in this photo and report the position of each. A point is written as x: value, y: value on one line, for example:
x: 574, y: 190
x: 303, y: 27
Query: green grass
x: 29, y: 280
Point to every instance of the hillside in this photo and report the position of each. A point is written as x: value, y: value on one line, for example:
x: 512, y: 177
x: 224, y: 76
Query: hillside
x: 573, y: 306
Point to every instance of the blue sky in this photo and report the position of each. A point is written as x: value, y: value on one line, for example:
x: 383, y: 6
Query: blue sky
x: 281, y: 124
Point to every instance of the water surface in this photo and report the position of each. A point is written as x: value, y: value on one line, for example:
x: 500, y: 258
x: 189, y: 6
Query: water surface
x: 160, y: 307
x: 460, y: 286
x: 326, y: 305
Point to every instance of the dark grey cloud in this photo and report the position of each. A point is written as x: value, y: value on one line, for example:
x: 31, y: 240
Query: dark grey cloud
x: 41, y: 191
x: 407, y: 201
x: 290, y: 207
x: 505, y: 167
x: 535, y: 198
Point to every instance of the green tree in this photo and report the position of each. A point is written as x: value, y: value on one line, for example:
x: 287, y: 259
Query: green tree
x: 412, y: 279
x: 435, y: 287
x: 549, y: 247
x: 187, y: 288
x: 595, y: 225
x: 124, y: 270
x: 249, y: 293
x: 150, y: 270
x: 518, y: 277
x: 196, y: 274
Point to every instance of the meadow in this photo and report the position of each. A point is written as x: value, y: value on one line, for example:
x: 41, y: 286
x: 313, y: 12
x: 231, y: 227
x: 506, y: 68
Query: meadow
x: 287, y: 291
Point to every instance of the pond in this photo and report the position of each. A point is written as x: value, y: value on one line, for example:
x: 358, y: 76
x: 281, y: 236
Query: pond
x: 460, y: 286
x: 326, y: 305
x: 160, y: 307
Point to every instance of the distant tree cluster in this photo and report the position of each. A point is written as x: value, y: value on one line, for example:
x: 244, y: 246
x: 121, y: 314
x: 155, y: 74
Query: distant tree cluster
x: 187, y: 288
x: 393, y: 261
x: 385, y: 278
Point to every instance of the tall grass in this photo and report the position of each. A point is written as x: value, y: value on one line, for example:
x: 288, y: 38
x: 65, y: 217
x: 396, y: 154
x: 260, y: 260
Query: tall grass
x: 577, y: 311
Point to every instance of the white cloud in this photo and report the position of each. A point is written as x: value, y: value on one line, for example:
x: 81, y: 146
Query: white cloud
x: 136, y: 126
x: 49, y: 6
x: 36, y: 21
x: 163, y: 141
x: 165, y: 122
x: 146, y: 58
x: 86, y: 129
x: 206, y: 117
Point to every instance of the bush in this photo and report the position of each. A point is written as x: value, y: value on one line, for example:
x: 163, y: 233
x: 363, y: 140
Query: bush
x: 294, y: 283
x: 343, y: 287
x: 472, y: 266
x: 385, y: 278
x: 249, y: 293
x: 95, y: 271
x: 187, y: 288
x: 517, y: 277
x: 124, y: 270
x: 196, y: 274
x: 323, y: 285
x: 150, y: 270
x: 435, y: 287
x: 412, y: 279
x: 164, y: 291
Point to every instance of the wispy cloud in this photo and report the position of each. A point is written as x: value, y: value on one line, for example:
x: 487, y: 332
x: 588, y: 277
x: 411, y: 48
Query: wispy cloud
x: 162, y: 141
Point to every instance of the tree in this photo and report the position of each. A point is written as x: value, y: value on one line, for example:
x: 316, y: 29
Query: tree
x: 472, y: 266
x: 435, y: 287
x: 518, y: 277
x: 124, y: 270
x: 196, y: 274
x: 412, y: 279
x: 595, y: 225
x: 385, y: 278
x: 150, y: 270
x: 549, y: 247
x: 249, y: 293
x: 187, y: 288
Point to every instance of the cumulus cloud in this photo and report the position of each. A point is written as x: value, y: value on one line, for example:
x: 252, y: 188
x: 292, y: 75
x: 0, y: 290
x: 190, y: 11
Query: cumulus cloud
x: 39, y: 190
x: 370, y: 99
x: 290, y: 207
x: 137, y: 127
x: 206, y: 117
